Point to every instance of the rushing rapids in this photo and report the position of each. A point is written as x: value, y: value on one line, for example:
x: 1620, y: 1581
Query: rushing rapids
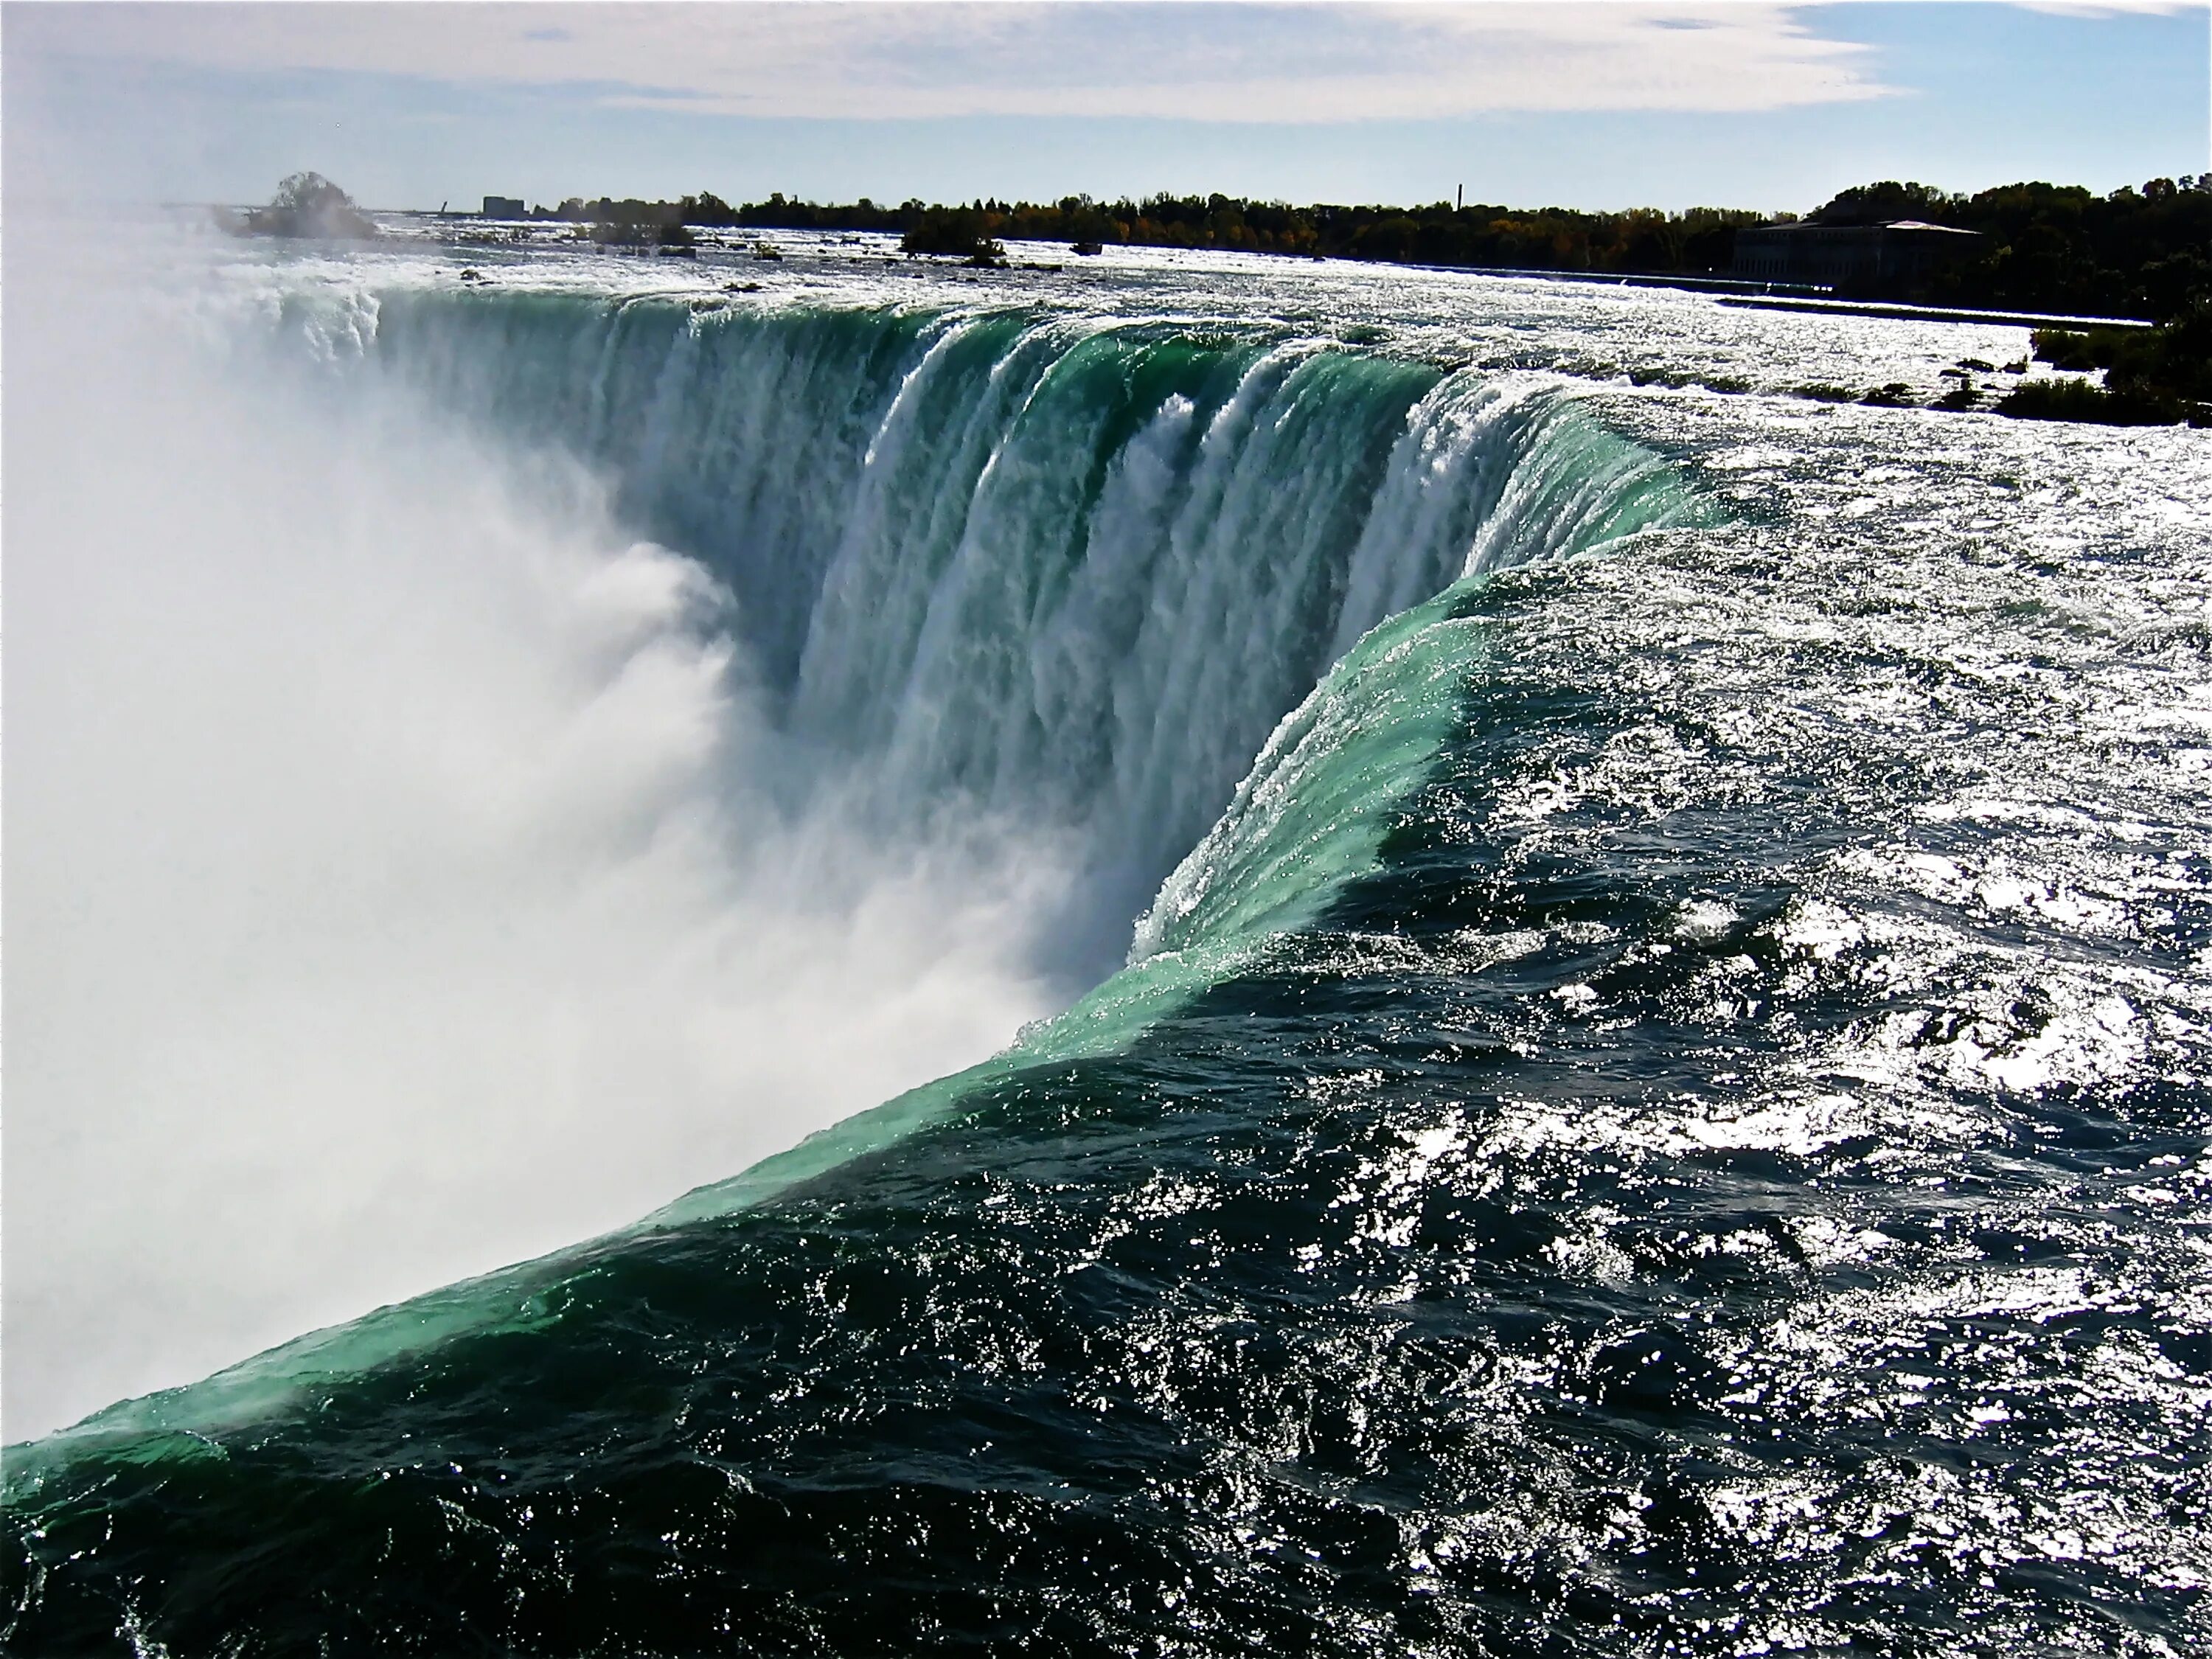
x: 1655, y: 1100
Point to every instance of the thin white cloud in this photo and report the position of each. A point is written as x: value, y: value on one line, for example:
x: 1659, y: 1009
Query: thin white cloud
x: 2111, y: 8
x: 1248, y: 63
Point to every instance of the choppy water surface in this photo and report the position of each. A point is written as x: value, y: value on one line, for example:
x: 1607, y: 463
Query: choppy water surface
x: 1659, y: 1103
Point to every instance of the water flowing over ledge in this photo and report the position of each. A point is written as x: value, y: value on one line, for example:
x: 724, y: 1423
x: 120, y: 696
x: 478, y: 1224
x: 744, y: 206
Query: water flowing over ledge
x: 1655, y: 1101
x: 1034, y: 563
x: 1003, y: 567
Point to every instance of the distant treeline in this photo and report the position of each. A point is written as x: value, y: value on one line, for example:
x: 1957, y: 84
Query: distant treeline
x: 1641, y: 239
x: 2046, y: 248
x: 2059, y: 247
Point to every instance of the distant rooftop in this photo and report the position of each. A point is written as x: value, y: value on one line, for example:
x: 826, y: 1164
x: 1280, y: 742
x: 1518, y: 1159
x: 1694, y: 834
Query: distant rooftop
x: 1880, y: 224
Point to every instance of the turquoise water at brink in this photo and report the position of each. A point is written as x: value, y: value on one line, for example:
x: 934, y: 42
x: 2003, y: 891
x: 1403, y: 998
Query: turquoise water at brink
x: 1641, y: 951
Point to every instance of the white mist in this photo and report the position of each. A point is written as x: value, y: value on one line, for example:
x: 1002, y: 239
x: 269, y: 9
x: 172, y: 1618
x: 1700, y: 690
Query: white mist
x: 395, y: 886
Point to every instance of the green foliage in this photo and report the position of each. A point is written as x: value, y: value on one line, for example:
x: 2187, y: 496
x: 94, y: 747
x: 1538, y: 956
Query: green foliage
x: 706, y: 208
x: 2098, y: 347
x: 638, y: 224
x: 2059, y: 247
x: 2062, y: 348
x: 308, y: 204
x: 2152, y: 376
x: 2183, y: 358
x: 1879, y: 204
x: 1639, y: 241
x: 2045, y: 248
x: 963, y: 233
x: 2057, y: 399
x: 2049, y: 247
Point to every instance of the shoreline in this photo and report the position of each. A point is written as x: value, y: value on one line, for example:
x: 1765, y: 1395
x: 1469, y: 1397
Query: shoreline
x: 1899, y: 311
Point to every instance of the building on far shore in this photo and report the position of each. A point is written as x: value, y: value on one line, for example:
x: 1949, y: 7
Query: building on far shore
x: 1891, y: 261
x: 505, y: 207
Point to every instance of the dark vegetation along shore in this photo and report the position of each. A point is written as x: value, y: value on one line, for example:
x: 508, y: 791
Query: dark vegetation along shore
x: 2143, y: 254
x: 2152, y: 377
x: 2138, y: 253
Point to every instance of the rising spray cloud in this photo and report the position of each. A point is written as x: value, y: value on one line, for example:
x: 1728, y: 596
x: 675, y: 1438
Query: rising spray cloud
x: 402, y: 878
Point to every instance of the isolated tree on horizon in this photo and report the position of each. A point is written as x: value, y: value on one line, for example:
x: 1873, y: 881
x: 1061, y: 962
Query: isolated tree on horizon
x: 308, y: 204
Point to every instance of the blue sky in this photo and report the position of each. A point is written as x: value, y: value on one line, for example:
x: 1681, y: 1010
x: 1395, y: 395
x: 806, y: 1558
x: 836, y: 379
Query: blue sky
x: 1575, y: 103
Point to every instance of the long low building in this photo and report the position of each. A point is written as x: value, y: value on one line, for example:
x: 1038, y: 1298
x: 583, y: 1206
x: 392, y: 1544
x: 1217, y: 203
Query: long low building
x: 1895, y: 260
